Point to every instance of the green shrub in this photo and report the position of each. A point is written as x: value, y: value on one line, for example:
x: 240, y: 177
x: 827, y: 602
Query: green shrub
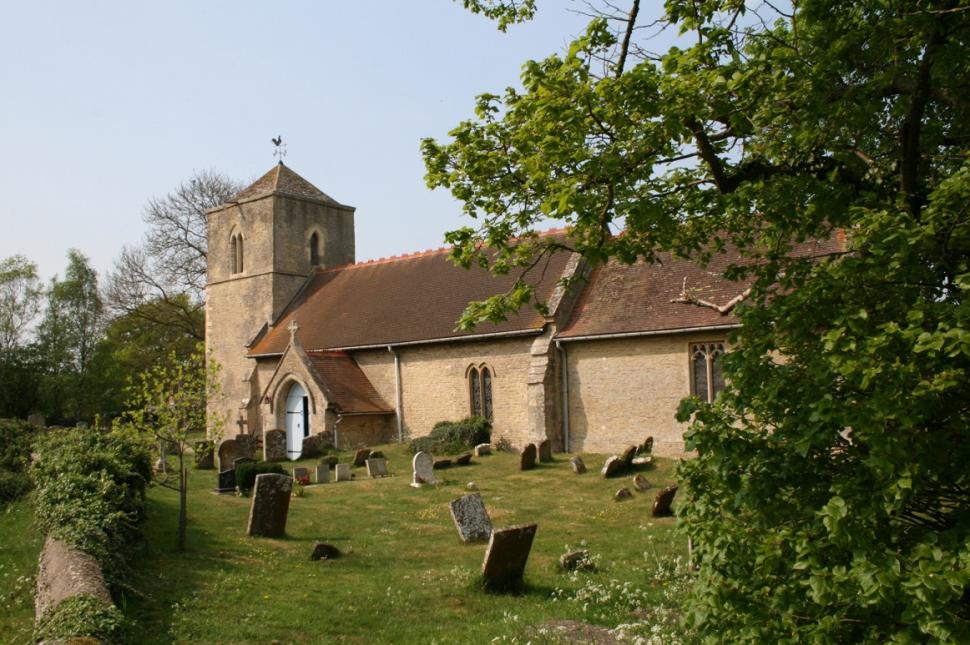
x: 16, y: 438
x: 450, y: 437
x: 91, y: 491
x: 82, y: 616
x: 246, y: 474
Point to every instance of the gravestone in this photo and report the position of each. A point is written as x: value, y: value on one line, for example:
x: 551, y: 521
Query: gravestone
x: 463, y: 460
x: 204, y: 455
x: 247, y: 444
x: 376, y: 467
x: 323, y: 474
x: 622, y: 495
x: 640, y: 483
x: 483, y: 449
x: 579, y: 466
x: 545, y: 451
x: 229, y: 451
x: 274, y: 445
x: 376, y: 454
x: 324, y: 551
x: 661, y: 505
x: 612, y: 467
x: 627, y: 457
x: 527, y: 460
x: 471, y: 518
x: 423, y: 469
x: 360, y: 457
x: 438, y: 464
x: 271, y: 503
x: 37, y: 420
x: 301, y: 475
x: 506, y: 556
x: 342, y: 473
x: 227, y: 481
x: 647, y: 446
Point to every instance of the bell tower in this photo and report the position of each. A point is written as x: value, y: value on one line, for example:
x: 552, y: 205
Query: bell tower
x: 263, y: 244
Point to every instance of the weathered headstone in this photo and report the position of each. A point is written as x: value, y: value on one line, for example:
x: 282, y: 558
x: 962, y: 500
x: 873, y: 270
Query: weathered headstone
x: 324, y: 551
x: 204, y: 455
x: 247, y: 444
x: 229, y: 452
x: 323, y: 474
x: 647, y: 446
x: 483, y: 449
x: 622, y: 495
x: 579, y: 466
x: 640, y: 483
x: 661, y: 505
x: 423, y: 469
x: 545, y: 451
x: 301, y: 475
x: 376, y: 467
x: 227, y: 481
x: 463, y: 460
x: 274, y: 445
x: 342, y: 473
x: 612, y: 467
x: 471, y: 518
x: 360, y: 457
x: 527, y: 460
x: 506, y: 556
x: 270, y: 505
x: 438, y: 464
x: 627, y: 457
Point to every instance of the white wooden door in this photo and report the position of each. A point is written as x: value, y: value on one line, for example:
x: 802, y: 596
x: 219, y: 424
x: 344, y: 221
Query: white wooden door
x: 297, y: 423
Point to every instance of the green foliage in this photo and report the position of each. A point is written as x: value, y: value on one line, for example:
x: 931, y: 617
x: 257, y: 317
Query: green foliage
x: 450, y: 437
x: 246, y: 474
x: 90, y: 491
x: 830, y: 499
x: 20, y: 296
x: 503, y: 12
x: 82, y: 616
x: 16, y: 439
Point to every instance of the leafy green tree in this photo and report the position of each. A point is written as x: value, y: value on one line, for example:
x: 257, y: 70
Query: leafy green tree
x: 829, y: 499
x: 168, y: 401
x: 72, y: 326
x: 20, y: 298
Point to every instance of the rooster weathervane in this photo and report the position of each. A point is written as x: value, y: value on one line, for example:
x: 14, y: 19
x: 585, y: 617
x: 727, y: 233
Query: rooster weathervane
x: 280, y: 150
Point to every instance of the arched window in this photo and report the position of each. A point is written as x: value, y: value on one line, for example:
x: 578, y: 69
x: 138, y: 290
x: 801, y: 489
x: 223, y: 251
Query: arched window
x: 706, y: 378
x: 314, y: 250
x: 239, y: 254
x: 233, y: 258
x: 480, y: 392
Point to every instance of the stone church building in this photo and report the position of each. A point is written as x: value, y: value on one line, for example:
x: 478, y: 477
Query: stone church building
x: 313, y: 342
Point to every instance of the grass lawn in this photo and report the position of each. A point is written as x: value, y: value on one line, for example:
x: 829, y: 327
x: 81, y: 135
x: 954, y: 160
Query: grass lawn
x: 405, y: 576
x: 20, y: 544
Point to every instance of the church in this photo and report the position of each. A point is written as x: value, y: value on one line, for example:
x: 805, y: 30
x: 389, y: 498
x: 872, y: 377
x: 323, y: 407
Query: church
x: 313, y: 342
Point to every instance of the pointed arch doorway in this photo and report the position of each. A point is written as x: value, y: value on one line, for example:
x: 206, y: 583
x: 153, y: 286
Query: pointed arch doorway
x: 297, y: 421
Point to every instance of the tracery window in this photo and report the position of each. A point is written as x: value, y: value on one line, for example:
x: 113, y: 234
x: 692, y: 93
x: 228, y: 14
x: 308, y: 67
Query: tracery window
x: 480, y: 391
x: 314, y: 249
x: 706, y: 378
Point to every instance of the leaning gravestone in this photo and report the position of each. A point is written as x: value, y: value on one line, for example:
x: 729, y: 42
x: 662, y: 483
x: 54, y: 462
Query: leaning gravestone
x: 527, y: 460
x: 274, y: 445
x: 483, y: 449
x: 506, y: 556
x: 627, y: 457
x: 271, y: 502
x: 463, y: 460
x: 440, y: 463
x: 423, y: 469
x: 661, y: 505
x: 471, y: 518
x: 545, y: 451
x: 342, y: 472
x: 323, y: 474
x: 360, y: 457
x: 647, y: 446
x: 622, y: 495
x: 579, y: 466
x: 640, y: 483
x: 229, y: 451
x: 612, y: 467
x: 376, y: 467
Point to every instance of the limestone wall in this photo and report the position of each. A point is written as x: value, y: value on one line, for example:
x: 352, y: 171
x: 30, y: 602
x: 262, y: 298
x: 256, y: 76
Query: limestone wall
x: 623, y: 390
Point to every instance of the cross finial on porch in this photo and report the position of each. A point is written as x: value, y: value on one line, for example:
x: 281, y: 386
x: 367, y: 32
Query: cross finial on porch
x: 293, y: 329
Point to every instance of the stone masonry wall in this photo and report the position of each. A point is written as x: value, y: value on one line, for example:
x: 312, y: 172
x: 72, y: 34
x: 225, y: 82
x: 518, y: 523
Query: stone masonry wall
x: 623, y: 390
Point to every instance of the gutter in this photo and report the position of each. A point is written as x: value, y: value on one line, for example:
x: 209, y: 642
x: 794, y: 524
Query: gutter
x: 397, y: 391
x: 564, y: 366
x: 656, y: 332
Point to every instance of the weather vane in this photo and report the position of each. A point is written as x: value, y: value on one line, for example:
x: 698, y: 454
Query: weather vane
x: 280, y: 151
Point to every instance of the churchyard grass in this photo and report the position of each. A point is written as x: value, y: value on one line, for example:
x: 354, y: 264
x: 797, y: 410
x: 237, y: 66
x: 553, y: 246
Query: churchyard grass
x: 20, y: 544
x: 405, y: 575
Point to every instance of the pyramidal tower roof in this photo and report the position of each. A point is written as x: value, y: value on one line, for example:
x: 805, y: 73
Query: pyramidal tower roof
x: 280, y: 180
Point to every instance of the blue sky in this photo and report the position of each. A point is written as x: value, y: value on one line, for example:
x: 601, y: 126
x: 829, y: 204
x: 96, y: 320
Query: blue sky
x: 106, y: 104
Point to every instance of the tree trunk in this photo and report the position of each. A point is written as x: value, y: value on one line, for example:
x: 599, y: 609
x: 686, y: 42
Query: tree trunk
x: 183, y: 495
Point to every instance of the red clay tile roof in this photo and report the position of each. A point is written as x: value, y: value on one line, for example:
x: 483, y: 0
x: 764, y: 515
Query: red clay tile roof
x: 396, y: 300
x: 280, y: 180
x: 345, y: 385
x: 635, y: 298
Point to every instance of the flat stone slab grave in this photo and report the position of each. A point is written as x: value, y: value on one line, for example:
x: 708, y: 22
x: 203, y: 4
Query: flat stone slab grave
x: 506, y: 556
x: 471, y: 518
x: 376, y: 467
x: 270, y: 505
x: 423, y: 469
x: 342, y: 472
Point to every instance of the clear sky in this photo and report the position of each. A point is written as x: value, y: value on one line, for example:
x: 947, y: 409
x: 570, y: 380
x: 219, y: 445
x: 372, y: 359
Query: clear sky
x: 105, y: 104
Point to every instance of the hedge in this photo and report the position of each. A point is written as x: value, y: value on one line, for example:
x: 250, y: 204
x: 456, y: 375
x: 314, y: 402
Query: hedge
x: 450, y: 437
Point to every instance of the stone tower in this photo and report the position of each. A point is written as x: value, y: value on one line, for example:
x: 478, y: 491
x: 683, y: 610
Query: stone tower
x: 263, y: 244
